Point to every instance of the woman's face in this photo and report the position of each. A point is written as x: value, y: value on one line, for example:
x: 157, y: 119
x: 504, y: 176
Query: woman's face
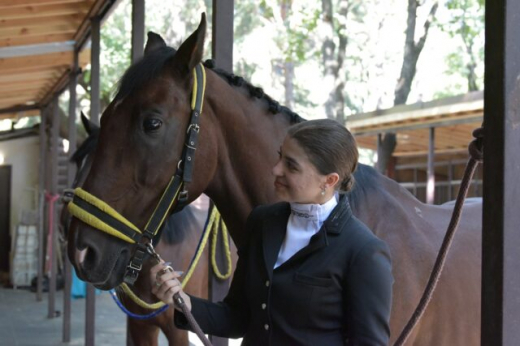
x: 296, y: 178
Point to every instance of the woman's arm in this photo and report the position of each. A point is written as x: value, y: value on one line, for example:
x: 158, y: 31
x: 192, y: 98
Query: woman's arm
x: 368, y: 298
x: 228, y: 318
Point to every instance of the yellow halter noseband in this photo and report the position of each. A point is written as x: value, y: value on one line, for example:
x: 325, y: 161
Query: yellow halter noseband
x: 98, y: 214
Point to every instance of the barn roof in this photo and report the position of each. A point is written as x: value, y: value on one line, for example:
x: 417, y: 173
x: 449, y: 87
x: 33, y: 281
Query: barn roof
x: 454, y: 119
x: 37, y: 43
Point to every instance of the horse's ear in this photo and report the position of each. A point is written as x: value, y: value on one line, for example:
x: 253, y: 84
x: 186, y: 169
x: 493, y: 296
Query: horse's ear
x: 88, y: 125
x: 154, y: 42
x: 190, y: 52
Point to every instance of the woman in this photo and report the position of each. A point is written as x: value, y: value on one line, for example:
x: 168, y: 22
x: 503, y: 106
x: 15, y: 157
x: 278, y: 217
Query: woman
x: 310, y: 273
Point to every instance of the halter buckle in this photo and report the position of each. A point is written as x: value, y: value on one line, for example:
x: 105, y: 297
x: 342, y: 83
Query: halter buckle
x: 194, y: 127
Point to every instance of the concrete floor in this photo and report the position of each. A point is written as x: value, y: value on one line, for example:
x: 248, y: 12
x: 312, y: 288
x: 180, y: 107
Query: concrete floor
x: 24, y: 322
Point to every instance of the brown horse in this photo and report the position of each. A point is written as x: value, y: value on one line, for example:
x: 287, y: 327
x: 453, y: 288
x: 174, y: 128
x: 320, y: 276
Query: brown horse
x: 142, y: 134
x: 179, y: 238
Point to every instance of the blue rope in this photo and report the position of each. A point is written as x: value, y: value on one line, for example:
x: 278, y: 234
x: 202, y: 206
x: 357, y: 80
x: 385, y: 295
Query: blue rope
x: 136, y: 316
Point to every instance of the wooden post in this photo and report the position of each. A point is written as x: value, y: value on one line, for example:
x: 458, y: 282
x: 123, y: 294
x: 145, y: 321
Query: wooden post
x: 430, y: 187
x: 71, y: 173
x: 54, y: 148
x: 90, y: 310
x: 222, y: 51
x: 379, y: 150
x: 500, y: 238
x: 415, y: 182
x: 222, y: 36
x: 138, y: 20
x: 41, y: 200
x: 450, y: 180
x: 94, y: 73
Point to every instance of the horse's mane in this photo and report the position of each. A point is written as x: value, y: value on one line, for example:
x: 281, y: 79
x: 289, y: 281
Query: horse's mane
x: 149, y: 68
x: 366, y: 179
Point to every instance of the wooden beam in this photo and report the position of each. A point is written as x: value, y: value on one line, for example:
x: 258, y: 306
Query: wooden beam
x: 430, y: 188
x: 36, y: 12
x: 53, y: 227
x: 24, y: 40
x: 500, y: 237
x: 22, y: 23
x: 38, y: 29
x: 22, y: 3
x: 138, y: 20
x: 57, y: 88
x: 95, y: 104
x: 98, y: 9
x: 399, y: 127
x: 73, y: 82
x: 16, y: 102
x: 20, y: 109
x: 36, y: 62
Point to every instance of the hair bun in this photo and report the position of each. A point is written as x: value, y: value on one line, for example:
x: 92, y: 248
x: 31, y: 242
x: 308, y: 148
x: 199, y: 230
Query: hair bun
x: 347, y: 184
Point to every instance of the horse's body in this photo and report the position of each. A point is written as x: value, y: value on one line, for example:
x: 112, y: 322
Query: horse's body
x: 239, y: 139
x: 179, y: 237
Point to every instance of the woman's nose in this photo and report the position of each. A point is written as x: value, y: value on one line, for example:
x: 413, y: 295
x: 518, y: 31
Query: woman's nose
x: 276, y: 171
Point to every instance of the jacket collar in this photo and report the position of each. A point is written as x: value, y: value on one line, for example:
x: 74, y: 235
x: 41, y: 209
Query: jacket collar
x: 275, y: 225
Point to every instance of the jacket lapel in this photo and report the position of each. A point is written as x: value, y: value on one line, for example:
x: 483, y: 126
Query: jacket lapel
x: 274, y: 228
x: 273, y: 234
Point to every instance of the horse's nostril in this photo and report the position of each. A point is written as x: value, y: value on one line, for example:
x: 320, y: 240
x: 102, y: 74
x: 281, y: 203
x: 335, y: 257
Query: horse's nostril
x: 80, y: 255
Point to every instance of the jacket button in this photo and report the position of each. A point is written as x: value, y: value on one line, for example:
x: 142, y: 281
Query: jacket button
x: 267, y: 283
x: 264, y: 306
x: 266, y: 326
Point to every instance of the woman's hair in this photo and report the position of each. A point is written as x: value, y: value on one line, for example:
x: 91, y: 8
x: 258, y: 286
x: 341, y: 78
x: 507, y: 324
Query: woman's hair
x: 331, y: 148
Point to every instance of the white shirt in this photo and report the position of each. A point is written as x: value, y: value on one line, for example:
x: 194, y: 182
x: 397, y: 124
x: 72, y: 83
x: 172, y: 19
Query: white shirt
x: 304, y: 222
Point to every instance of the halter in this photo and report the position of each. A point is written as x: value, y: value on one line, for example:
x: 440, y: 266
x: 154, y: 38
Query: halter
x: 98, y: 214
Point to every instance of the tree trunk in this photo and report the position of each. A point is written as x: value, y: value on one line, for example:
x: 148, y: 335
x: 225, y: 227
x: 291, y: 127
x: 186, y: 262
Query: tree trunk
x: 333, y: 60
x: 412, y: 51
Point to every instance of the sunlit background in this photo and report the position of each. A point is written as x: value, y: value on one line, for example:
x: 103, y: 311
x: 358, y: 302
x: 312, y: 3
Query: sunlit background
x: 299, y: 55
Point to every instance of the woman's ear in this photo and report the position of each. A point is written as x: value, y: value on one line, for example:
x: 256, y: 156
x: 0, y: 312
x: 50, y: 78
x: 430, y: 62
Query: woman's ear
x: 332, y: 179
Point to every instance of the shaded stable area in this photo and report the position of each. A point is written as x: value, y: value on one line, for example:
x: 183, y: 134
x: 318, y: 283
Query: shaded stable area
x: 24, y: 321
x: 432, y: 143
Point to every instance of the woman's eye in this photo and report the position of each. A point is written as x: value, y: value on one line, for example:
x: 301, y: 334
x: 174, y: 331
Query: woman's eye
x: 151, y: 125
x: 279, y: 153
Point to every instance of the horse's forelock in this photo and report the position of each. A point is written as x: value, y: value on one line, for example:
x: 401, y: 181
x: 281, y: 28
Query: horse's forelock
x: 143, y: 71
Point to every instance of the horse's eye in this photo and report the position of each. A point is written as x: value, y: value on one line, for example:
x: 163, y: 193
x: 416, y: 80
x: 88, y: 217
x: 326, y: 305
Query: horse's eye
x: 152, y: 124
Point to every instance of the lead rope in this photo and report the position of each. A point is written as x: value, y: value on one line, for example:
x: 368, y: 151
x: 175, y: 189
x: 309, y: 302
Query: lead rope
x: 476, y: 157
x: 177, y: 299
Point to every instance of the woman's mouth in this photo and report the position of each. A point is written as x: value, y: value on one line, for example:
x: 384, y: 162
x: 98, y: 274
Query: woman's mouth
x: 279, y: 185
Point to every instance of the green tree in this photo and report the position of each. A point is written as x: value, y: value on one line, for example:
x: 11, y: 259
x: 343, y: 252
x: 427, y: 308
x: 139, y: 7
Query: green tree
x: 466, y: 26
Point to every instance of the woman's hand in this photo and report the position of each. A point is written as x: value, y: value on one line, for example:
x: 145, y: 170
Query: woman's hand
x: 165, y: 284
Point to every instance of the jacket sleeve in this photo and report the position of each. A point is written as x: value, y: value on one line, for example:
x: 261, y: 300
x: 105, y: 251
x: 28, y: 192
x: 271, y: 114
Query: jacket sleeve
x: 369, y: 296
x: 230, y: 317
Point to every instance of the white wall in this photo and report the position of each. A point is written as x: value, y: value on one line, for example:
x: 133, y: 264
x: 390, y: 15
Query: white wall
x: 22, y: 154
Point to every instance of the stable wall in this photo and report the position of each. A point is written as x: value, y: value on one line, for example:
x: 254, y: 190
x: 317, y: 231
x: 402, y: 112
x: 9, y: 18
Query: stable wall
x: 22, y: 154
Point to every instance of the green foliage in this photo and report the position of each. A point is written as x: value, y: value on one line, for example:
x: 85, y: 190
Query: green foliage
x: 466, y: 24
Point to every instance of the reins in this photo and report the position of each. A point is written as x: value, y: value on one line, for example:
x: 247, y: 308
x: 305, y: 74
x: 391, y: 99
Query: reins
x: 476, y: 157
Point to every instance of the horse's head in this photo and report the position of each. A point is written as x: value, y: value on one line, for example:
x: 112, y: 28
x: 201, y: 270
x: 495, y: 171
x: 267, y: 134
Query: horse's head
x: 141, y: 142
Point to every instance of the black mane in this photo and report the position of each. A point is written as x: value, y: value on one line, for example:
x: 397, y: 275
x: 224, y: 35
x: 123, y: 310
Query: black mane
x: 149, y: 68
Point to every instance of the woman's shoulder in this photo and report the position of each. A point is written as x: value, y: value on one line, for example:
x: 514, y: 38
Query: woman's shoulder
x: 267, y: 210
x: 360, y: 236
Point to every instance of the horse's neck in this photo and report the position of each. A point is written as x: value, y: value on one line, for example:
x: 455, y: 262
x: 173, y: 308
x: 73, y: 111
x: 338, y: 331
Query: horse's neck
x: 247, y: 150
